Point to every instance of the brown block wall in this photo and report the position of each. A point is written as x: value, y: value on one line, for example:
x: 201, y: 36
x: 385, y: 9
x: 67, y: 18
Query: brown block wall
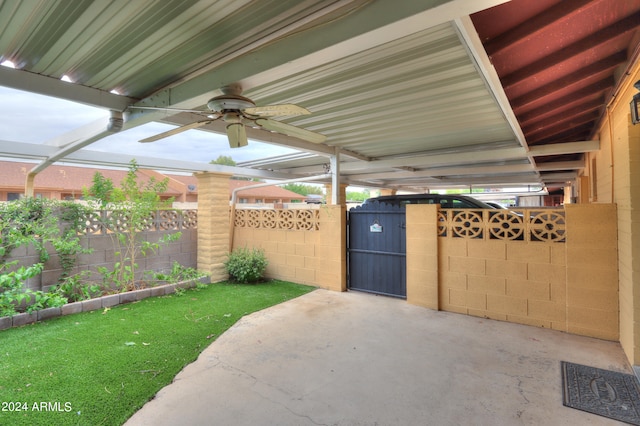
x: 183, y: 251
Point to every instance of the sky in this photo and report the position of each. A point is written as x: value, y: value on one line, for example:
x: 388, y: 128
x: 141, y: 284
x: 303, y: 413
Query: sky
x: 32, y: 118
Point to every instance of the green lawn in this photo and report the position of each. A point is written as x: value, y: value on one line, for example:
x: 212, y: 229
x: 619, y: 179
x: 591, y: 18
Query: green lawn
x: 98, y: 368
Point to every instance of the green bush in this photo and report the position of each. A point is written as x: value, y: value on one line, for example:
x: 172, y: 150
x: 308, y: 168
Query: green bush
x: 246, y: 266
x: 177, y: 274
x: 76, y: 289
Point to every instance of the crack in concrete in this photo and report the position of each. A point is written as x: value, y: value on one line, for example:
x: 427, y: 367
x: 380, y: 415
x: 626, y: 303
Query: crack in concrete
x: 257, y: 381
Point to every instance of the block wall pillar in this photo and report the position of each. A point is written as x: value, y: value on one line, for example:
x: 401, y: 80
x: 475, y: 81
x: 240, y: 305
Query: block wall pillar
x: 422, y: 255
x: 331, y: 246
x: 213, y: 223
x: 592, y: 270
x: 343, y: 194
x: 627, y: 198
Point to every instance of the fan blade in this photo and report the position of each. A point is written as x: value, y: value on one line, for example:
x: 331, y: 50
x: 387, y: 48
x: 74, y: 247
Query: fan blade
x: 290, y: 130
x: 277, y: 110
x: 175, y: 131
x: 237, y: 135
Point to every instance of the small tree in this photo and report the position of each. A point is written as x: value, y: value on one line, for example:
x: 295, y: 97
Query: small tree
x: 134, y: 204
x: 226, y: 160
x: 302, y: 189
x: 358, y: 196
x: 100, y: 191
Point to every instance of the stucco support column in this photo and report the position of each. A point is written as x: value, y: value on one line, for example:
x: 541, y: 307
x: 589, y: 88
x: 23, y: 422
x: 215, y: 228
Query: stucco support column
x: 422, y: 255
x: 386, y: 191
x: 342, y: 194
x: 213, y: 223
x: 628, y: 198
x: 592, y: 304
x: 331, y: 248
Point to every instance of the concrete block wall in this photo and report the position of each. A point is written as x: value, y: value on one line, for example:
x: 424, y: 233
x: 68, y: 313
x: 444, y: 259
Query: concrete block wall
x: 422, y: 255
x: 183, y: 251
x: 613, y: 173
x: 516, y: 281
x: 312, y: 257
x: 628, y: 247
x: 568, y: 286
x: 592, y: 270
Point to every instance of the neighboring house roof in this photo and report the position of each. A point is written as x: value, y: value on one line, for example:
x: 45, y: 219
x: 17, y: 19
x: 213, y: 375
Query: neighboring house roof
x: 73, y: 179
x: 262, y: 192
x: 69, y: 178
x: 270, y: 192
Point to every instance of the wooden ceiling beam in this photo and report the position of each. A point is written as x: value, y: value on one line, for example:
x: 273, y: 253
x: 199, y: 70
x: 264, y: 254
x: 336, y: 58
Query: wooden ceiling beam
x: 617, y: 29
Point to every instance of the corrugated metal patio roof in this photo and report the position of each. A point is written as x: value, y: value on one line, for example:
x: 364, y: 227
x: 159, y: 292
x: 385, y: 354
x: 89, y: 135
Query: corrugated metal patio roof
x: 415, y: 95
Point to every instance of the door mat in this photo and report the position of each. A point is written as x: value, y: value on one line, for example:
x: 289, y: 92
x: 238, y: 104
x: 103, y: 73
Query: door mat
x: 602, y: 392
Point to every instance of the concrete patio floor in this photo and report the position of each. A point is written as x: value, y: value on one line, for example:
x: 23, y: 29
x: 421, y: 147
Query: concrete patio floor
x: 330, y: 358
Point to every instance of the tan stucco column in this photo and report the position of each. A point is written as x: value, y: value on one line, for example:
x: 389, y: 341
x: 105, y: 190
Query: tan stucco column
x: 343, y: 194
x: 213, y: 223
x: 422, y: 255
x: 627, y: 197
x: 331, y: 249
x: 385, y: 191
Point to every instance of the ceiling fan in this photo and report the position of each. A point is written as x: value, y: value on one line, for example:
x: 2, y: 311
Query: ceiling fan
x: 237, y: 112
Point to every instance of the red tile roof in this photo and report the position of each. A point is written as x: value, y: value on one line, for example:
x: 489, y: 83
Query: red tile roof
x: 67, y: 178
x: 273, y: 192
x: 72, y: 179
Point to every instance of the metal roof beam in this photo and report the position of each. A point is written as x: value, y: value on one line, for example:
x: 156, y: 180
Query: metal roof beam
x: 449, y: 171
x: 561, y: 165
x: 425, y: 160
x: 49, y: 86
x: 482, y: 62
x: 565, y: 148
x: 523, y: 179
x: 76, y: 140
x: 558, y: 177
x: 22, y: 150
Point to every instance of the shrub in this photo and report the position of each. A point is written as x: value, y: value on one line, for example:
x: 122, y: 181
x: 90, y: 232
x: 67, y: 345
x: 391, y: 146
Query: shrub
x: 177, y: 274
x: 75, y: 289
x: 246, y: 266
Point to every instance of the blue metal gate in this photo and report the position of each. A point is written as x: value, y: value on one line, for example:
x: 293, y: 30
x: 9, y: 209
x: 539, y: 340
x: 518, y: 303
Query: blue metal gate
x: 376, y: 249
